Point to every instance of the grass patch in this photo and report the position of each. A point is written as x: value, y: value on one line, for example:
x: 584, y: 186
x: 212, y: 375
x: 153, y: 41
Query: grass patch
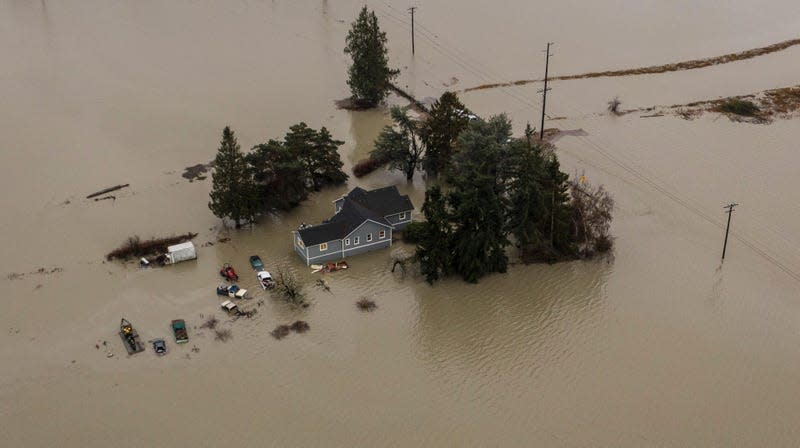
x: 737, y: 106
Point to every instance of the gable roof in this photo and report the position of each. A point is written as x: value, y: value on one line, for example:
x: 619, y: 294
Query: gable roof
x: 341, y: 224
x: 384, y: 201
x: 358, y: 206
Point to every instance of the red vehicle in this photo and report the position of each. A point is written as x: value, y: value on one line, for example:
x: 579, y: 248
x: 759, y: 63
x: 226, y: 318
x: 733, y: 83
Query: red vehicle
x: 228, y: 272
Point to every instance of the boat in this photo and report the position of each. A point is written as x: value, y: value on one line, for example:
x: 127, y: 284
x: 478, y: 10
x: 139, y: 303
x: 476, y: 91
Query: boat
x: 130, y: 338
x: 256, y: 263
x: 265, y: 280
x: 179, y: 330
x: 229, y: 273
x: 333, y: 267
x: 316, y: 268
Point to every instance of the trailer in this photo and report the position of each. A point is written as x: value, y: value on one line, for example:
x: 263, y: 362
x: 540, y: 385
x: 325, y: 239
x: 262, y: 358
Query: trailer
x: 181, y: 252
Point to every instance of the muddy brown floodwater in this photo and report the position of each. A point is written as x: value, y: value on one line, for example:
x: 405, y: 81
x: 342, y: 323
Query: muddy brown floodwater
x: 659, y: 346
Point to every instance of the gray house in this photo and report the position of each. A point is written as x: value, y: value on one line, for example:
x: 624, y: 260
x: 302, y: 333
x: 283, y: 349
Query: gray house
x: 363, y: 222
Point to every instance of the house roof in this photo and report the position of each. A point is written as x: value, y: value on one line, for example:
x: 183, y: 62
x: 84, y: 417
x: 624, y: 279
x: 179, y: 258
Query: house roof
x: 359, y: 205
x: 385, y: 201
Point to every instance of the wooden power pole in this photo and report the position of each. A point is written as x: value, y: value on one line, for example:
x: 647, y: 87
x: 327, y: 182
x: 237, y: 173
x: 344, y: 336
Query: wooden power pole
x: 412, y: 9
x: 544, y: 91
x: 728, y: 227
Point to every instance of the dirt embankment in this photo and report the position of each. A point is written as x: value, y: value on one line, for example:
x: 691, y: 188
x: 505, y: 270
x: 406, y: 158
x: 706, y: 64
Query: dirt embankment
x: 673, y: 67
x: 759, y: 108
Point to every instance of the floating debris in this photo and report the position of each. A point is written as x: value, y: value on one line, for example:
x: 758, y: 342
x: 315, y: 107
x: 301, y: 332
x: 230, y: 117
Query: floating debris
x: 107, y: 190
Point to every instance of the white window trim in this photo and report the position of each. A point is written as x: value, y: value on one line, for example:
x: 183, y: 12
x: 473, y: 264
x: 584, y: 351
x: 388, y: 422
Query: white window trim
x: 369, y: 237
x: 402, y: 216
x: 323, y: 247
x: 347, y: 241
x: 356, y: 240
x: 381, y: 234
x: 365, y: 245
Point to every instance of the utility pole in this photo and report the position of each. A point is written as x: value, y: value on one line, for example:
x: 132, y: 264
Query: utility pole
x: 412, y: 9
x: 544, y: 91
x: 730, y: 212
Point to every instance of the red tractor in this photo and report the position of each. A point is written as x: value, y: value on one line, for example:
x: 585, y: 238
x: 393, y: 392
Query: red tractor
x: 229, y: 273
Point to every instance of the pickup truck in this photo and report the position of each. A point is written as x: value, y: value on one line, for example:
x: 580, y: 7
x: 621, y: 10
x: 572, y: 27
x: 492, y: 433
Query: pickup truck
x: 179, y: 330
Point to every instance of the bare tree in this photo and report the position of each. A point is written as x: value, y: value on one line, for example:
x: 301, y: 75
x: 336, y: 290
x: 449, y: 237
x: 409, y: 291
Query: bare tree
x: 592, y: 214
x: 287, y: 285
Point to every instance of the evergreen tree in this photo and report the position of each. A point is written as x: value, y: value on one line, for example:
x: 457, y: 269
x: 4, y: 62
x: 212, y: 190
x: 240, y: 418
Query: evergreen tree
x: 555, y: 224
x: 328, y: 169
x: 369, y: 75
x: 233, y: 192
x: 447, y: 118
x: 434, y: 248
x: 401, y: 148
x: 478, y: 199
x: 525, y: 196
x: 280, y: 176
x: 318, y: 152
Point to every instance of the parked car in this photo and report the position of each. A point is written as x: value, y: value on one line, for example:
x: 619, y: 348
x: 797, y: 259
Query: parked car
x: 160, y: 347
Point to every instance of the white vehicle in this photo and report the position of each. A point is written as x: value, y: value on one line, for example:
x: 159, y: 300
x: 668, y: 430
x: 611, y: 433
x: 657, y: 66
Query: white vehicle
x: 265, y: 280
x: 230, y: 307
x: 181, y: 252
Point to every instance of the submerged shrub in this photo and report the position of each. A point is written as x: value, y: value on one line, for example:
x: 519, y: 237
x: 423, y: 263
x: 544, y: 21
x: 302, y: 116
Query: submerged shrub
x: 736, y: 106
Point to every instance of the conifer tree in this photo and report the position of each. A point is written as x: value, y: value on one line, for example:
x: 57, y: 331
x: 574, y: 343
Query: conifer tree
x: 328, y: 161
x: 233, y: 193
x: 434, y: 250
x: 279, y: 175
x: 447, y: 118
x: 369, y: 75
x: 478, y: 200
x: 555, y: 225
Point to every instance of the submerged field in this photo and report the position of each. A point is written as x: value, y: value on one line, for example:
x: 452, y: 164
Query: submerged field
x: 660, y: 345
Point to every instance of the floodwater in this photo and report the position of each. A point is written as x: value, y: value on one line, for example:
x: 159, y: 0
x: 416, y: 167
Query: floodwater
x: 660, y: 345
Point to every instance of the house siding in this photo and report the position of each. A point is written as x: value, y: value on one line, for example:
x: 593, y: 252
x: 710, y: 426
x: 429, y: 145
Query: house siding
x: 397, y: 222
x: 333, y: 252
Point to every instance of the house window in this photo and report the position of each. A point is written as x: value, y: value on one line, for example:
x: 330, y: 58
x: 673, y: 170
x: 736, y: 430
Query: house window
x: 369, y: 237
x: 382, y: 234
x: 323, y: 247
x: 356, y: 240
x: 347, y: 241
x: 402, y: 216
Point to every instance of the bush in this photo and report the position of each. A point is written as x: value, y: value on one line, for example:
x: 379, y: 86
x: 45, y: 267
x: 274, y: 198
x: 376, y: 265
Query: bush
x: 280, y: 332
x: 613, y: 105
x: 603, y: 244
x: 736, y: 106
x: 366, y: 166
x: 300, y: 326
x: 414, y: 232
x: 222, y: 334
x: 364, y: 304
